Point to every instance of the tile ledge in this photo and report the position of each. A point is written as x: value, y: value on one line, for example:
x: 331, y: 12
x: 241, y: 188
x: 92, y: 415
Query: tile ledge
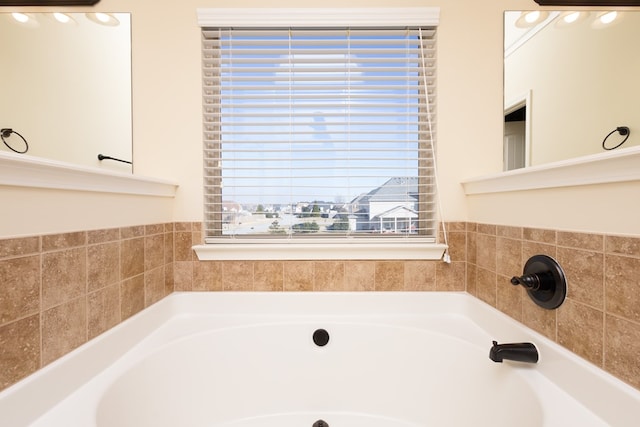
x: 29, y: 171
x: 609, y: 167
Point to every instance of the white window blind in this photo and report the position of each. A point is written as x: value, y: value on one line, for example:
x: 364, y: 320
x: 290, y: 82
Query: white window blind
x: 319, y: 132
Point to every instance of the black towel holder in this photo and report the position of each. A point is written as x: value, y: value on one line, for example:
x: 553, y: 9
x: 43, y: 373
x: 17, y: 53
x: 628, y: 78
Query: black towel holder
x: 6, y: 133
x: 622, y: 130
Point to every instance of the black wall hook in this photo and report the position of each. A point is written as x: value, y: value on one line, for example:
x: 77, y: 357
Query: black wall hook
x: 623, y: 131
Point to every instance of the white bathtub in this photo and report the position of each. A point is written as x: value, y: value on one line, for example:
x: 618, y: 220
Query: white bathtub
x: 248, y: 360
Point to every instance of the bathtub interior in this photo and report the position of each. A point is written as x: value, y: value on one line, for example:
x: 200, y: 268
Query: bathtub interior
x: 248, y: 359
x: 274, y: 374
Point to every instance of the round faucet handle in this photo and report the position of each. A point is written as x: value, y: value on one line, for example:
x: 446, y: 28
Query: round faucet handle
x: 544, y: 281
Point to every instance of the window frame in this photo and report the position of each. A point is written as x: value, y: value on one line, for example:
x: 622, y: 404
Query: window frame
x: 319, y: 247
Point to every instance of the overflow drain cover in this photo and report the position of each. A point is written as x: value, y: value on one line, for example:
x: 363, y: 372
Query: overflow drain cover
x: 320, y: 423
x: 320, y: 338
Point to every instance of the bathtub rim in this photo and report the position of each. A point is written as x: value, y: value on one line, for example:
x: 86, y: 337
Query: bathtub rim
x: 56, y: 381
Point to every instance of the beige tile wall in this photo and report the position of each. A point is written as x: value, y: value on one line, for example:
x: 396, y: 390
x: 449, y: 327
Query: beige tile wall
x: 599, y: 320
x: 58, y: 291
x: 195, y: 275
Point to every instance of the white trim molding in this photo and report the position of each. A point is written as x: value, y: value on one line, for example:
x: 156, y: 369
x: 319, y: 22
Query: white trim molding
x: 28, y: 171
x: 609, y: 167
x: 313, y: 17
x: 320, y: 249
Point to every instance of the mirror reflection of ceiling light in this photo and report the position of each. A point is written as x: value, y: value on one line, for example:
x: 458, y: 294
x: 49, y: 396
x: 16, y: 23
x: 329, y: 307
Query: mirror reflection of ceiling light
x: 606, y: 19
x: 531, y: 18
x: 62, y: 18
x: 103, y: 19
x: 571, y: 17
x: 25, y: 19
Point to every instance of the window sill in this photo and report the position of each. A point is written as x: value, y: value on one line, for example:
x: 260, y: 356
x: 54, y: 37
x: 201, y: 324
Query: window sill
x: 612, y: 166
x: 313, y: 249
x: 34, y: 172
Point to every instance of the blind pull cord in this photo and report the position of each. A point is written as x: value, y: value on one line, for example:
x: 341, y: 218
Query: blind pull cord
x: 446, y: 257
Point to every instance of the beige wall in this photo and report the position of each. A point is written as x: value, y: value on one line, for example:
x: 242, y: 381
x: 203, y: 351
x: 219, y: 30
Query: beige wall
x: 167, y: 120
x: 604, y: 208
x: 31, y: 211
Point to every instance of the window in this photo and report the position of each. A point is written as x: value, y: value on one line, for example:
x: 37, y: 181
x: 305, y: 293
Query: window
x: 319, y: 131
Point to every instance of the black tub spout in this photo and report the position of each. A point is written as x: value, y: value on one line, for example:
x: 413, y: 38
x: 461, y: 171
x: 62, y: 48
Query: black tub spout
x: 521, y: 352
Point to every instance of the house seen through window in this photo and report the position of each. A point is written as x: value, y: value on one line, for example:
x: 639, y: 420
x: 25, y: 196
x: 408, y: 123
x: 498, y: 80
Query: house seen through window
x: 319, y: 132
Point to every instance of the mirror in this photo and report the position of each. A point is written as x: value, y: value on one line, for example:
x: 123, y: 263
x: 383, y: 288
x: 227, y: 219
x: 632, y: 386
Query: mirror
x: 66, y: 86
x: 570, y: 80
